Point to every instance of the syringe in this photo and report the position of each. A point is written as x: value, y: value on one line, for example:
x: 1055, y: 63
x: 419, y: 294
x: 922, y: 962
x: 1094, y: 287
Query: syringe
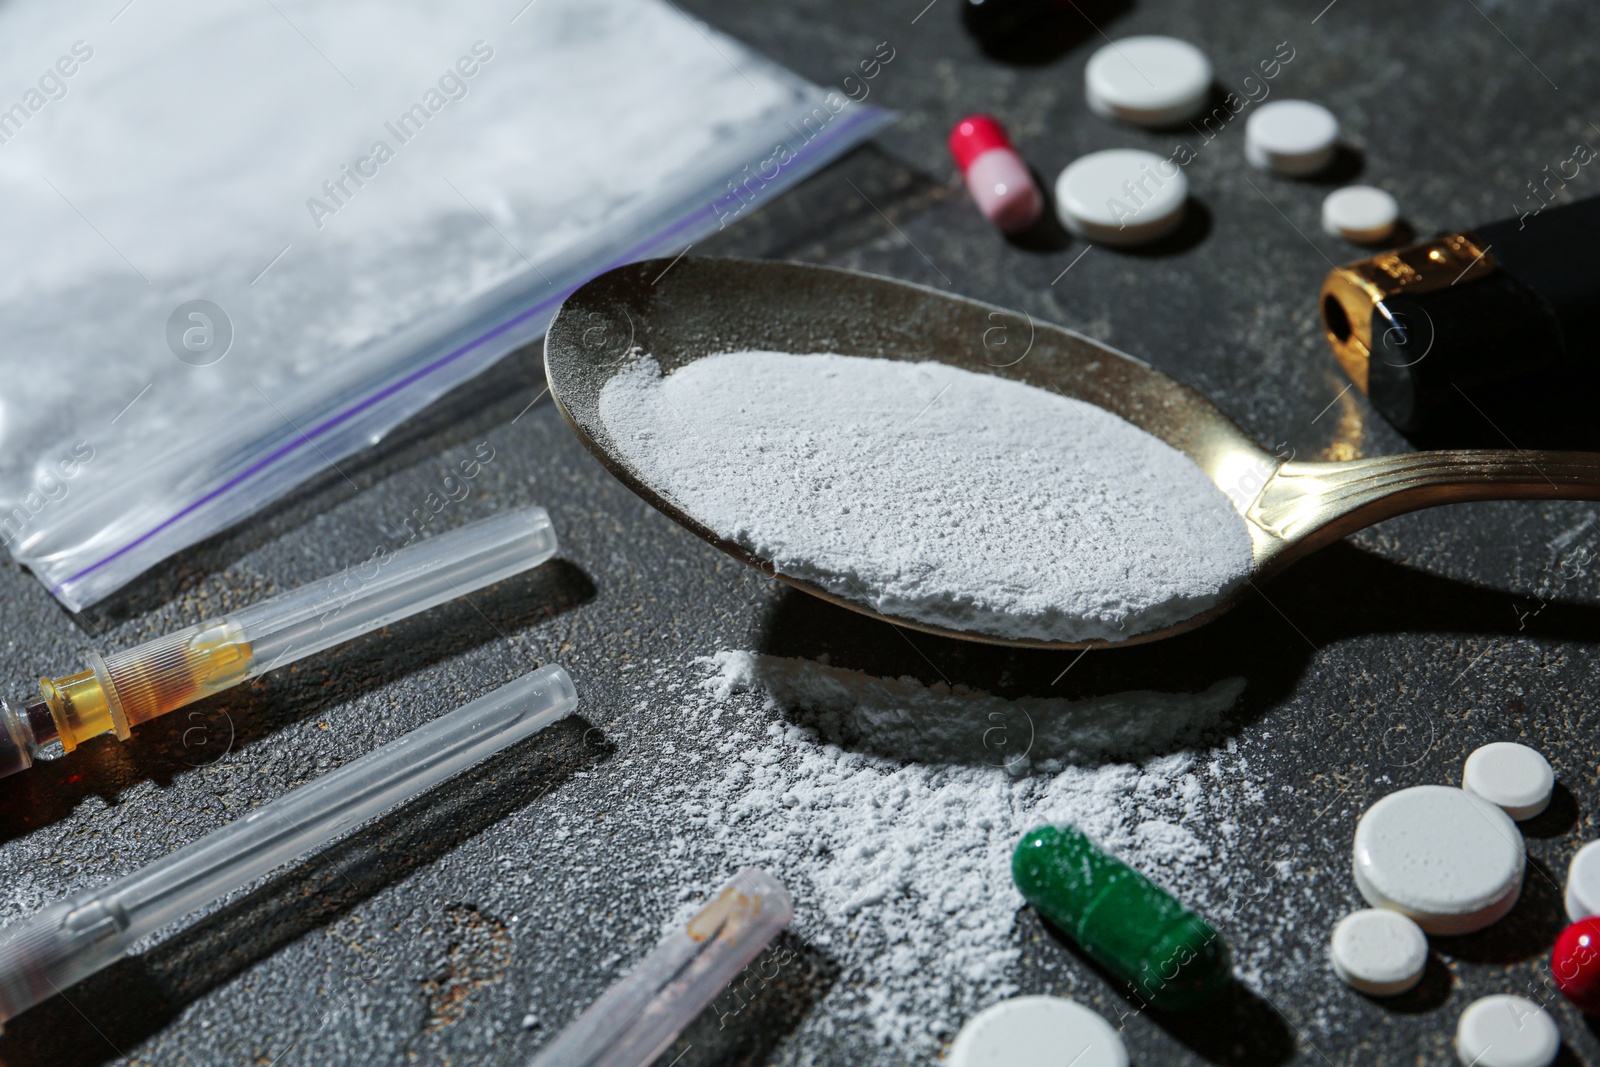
x: 68, y: 941
x: 121, y: 691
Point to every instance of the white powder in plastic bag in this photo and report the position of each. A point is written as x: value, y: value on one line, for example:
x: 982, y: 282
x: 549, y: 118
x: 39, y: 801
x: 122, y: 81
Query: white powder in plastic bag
x: 350, y: 185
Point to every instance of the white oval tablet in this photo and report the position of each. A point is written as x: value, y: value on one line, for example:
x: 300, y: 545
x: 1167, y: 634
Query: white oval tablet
x: 1506, y: 1031
x: 1451, y: 861
x: 1148, y: 81
x: 1583, y: 883
x: 1294, y: 137
x: 1121, y: 196
x: 1513, y: 776
x: 1037, y: 1032
x: 1360, y: 213
x: 1378, y: 952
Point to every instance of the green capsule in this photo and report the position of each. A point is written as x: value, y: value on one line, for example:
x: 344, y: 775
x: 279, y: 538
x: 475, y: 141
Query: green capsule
x: 1169, y: 956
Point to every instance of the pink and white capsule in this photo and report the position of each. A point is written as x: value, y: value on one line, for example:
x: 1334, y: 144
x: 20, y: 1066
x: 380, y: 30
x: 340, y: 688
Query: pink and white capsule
x: 999, y: 181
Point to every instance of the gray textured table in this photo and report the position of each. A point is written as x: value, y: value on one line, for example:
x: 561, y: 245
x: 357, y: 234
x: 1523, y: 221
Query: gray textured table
x: 430, y: 937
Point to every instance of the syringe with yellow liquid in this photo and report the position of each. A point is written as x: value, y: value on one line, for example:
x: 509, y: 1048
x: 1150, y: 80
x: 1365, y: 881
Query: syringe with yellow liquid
x: 121, y: 691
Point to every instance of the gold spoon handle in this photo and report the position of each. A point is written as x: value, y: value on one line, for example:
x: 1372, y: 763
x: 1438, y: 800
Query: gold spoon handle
x: 1334, y: 499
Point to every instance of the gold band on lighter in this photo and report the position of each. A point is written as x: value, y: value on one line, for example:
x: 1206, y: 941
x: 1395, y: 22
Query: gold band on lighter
x: 1351, y: 294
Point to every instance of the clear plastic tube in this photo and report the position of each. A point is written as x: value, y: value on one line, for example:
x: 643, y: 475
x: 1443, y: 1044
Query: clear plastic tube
x: 635, y: 1020
x: 120, y: 691
x: 69, y: 941
x: 318, y: 616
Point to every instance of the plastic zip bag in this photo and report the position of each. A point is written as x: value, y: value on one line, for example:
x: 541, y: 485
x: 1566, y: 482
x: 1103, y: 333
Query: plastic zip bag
x: 248, y: 240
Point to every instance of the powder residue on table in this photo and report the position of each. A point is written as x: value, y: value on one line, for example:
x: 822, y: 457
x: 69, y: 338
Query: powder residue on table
x: 933, y: 493
x: 890, y: 808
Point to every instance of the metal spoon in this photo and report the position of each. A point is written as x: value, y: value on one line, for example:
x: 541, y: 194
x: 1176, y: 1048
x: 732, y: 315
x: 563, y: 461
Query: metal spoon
x: 681, y: 310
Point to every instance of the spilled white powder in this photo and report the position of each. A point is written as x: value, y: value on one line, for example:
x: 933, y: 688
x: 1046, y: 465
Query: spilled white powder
x: 888, y: 810
x: 933, y: 493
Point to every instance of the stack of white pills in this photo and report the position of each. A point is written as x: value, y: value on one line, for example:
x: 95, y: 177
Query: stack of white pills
x: 1125, y: 197
x: 1434, y: 859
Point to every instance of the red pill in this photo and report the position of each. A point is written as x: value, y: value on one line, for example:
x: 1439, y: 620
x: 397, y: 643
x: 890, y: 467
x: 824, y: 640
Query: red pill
x: 1575, y: 964
x: 997, y: 178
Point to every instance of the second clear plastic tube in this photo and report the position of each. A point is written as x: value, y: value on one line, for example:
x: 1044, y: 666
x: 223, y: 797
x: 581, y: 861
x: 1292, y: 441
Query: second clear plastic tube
x: 68, y: 941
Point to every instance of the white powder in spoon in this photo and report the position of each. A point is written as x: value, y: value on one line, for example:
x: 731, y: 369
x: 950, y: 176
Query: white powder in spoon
x: 933, y: 493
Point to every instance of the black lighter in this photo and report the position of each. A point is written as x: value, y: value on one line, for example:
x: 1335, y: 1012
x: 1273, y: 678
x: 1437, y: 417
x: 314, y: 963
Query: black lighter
x: 1486, y: 337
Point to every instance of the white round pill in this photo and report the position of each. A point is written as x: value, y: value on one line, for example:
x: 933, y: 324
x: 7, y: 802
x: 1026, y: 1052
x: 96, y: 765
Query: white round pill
x: 1148, y: 81
x: 1360, y: 213
x: 1513, y: 776
x: 1378, y: 952
x: 1506, y: 1031
x: 1583, y: 883
x: 1121, y: 196
x: 1451, y: 861
x: 1037, y: 1032
x: 1294, y: 137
